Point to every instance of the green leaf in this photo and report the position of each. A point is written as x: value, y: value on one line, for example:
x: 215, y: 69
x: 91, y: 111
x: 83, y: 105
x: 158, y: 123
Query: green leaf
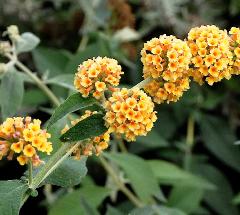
x: 219, y: 139
x: 27, y: 42
x: 186, y: 198
x: 236, y: 199
x: 212, y: 99
x: 11, y: 195
x: 55, y: 131
x: 69, y: 173
x: 51, y: 60
x: 169, y: 211
x: 90, y: 127
x: 170, y: 174
x: 156, y: 210
x: 113, y: 211
x: 34, y: 97
x: 220, y: 200
x: 148, y: 210
x: 88, y: 209
x: 72, y: 103
x: 11, y: 93
x: 139, y: 174
x: 151, y: 141
x: 70, y: 203
x: 65, y: 80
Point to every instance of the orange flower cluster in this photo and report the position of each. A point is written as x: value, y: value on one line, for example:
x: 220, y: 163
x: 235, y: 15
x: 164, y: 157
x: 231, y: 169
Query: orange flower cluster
x: 23, y: 137
x: 96, y: 145
x: 130, y: 113
x: 166, y: 60
x: 212, y: 57
x: 94, y: 76
x: 235, y: 48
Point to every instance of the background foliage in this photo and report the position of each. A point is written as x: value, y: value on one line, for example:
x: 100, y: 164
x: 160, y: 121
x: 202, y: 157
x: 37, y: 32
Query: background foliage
x: 198, y: 179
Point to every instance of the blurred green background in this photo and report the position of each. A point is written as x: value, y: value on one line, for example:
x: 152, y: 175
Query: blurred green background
x: 74, y: 30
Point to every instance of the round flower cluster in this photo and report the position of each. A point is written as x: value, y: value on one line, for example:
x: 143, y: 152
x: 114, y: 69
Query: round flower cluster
x: 23, y: 137
x: 235, y: 48
x: 130, y: 113
x: 96, y: 145
x: 166, y: 60
x: 212, y: 58
x: 94, y: 76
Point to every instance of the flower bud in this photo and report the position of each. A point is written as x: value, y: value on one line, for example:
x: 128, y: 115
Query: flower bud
x: 5, y: 47
x: 13, y: 32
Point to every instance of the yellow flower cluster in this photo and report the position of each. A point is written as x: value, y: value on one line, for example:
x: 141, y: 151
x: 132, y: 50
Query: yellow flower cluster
x: 130, y: 113
x: 166, y: 60
x: 24, y: 137
x: 235, y: 48
x: 96, y: 145
x: 94, y: 76
x: 212, y: 57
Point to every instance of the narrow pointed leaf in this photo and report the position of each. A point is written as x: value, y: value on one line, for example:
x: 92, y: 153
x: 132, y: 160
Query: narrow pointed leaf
x: 90, y: 127
x: 72, y: 103
x: 63, y: 80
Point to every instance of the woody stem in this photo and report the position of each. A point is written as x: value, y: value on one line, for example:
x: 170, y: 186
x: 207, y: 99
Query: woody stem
x: 36, y: 79
x: 119, y: 183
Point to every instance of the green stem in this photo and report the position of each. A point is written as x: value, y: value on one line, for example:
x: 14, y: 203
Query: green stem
x: 189, y: 143
x: 37, y: 80
x: 121, y: 144
x: 143, y: 83
x: 83, y: 43
x: 119, y: 183
x: 30, y: 172
x: 58, y: 157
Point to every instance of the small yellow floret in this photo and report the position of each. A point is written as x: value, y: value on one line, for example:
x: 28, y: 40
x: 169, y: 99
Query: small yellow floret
x: 29, y: 151
x: 22, y: 160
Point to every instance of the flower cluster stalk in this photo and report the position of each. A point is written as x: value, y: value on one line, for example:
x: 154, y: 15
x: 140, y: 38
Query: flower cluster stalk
x: 189, y: 143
